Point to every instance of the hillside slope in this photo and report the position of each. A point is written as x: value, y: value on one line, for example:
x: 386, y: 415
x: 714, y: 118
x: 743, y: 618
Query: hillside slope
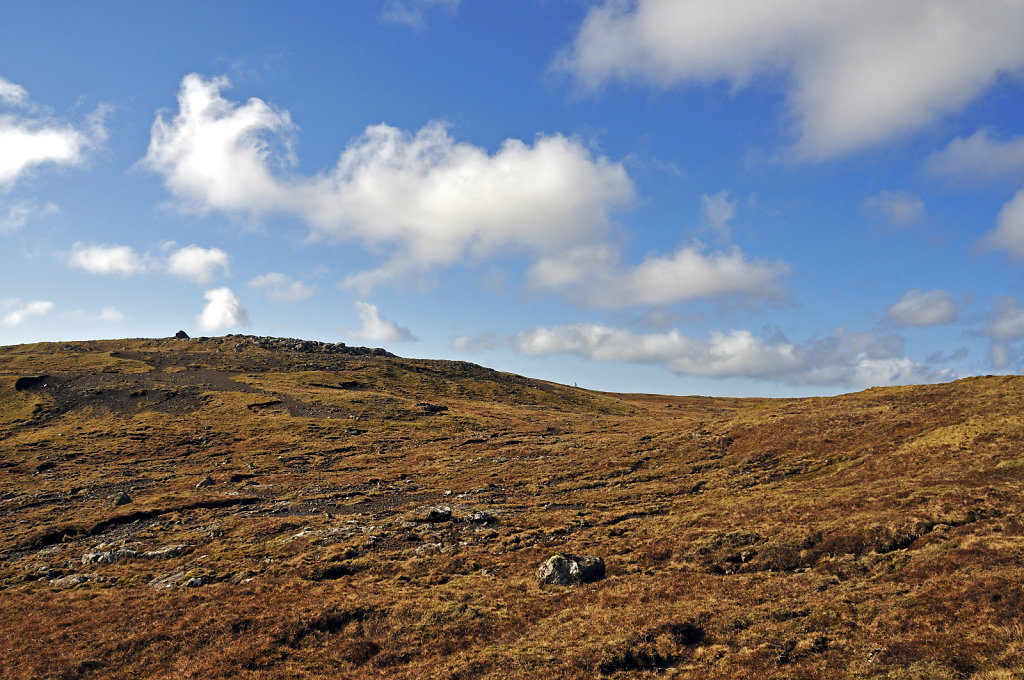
x: 245, y: 507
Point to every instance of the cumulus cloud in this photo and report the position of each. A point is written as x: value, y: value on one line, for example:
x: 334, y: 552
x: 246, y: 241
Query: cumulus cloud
x: 842, y: 359
x: 859, y: 73
x: 428, y: 199
x: 896, y: 208
x: 1005, y: 330
x: 1007, y: 320
x: 193, y: 263
x: 107, y: 259
x: 412, y: 13
x: 1009, y: 232
x: 917, y: 308
x: 223, y: 310
x: 594, y: 276
x: 28, y: 140
x: 374, y: 328
x: 983, y: 155
x: 200, y: 265
x: 18, y: 215
x: 21, y: 313
x: 280, y: 287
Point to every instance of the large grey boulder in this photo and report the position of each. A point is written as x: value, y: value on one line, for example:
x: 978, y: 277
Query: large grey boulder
x: 565, y: 569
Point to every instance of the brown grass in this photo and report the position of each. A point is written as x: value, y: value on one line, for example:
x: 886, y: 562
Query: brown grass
x: 872, y: 535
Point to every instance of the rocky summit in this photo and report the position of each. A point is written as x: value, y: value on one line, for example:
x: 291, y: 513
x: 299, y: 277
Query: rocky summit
x: 247, y: 507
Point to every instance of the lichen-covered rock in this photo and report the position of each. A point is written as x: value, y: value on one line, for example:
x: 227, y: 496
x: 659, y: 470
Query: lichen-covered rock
x: 566, y: 569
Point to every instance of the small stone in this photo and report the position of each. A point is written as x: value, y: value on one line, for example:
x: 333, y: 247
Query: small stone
x: 193, y: 582
x: 122, y: 499
x: 206, y: 481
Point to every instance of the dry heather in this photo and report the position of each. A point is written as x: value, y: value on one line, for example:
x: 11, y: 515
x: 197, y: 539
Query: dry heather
x: 872, y: 535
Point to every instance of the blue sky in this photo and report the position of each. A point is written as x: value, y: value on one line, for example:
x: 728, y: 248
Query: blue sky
x: 678, y: 196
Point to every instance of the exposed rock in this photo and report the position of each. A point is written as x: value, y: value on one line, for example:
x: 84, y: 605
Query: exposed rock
x: 194, y: 582
x: 434, y: 514
x: 166, y: 581
x: 121, y: 499
x: 431, y: 409
x: 181, y: 335
x: 566, y: 569
x: 480, y: 517
x: 108, y: 556
x: 165, y: 552
x: 72, y: 580
x: 205, y: 481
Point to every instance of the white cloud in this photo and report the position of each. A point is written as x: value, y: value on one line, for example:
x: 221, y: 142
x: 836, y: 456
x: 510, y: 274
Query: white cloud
x: 19, y: 214
x: 411, y: 13
x: 30, y: 141
x: 107, y: 259
x: 430, y: 200
x: 982, y: 156
x: 12, y: 93
x: 897, y: 208
x: 1007, y: 321
x: 842, y: 359
x: 477, y: 343
x: 280, y: 287
x: 111, y: 315
x: 943, y: 358
x: 717, y: 211
x: 1005, y: 330
x: 917, y: 308
x: 1009, y: 232
x: 36, y: 308
x: 594, y: 277
x: 1001, y: 355
x: 860, y: 73
x: 373, y: 328
x: 196, y: 264
x: 223, y: 310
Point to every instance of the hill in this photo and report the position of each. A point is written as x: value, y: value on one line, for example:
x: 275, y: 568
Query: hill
x: 244, y: 507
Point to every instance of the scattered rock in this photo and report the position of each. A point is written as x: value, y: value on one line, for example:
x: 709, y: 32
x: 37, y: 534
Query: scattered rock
x: 121, y: 499
x: 108, y: 556
x: 434, y: 514
x: 194, y: 582
x: 431, y: 409
x: 480, y: 517
x: 205, y: 481
x: 72, y: 580
x: 167, y: 581
x: 181, y: 335
x: 166, y: 552
x: 566, y: 569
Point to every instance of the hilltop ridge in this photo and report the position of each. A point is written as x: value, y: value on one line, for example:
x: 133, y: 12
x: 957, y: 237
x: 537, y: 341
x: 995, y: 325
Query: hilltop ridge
x: 246, y: 507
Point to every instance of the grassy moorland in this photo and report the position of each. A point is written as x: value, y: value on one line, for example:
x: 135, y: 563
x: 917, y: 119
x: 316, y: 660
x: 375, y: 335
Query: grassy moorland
x: 871, y: 535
